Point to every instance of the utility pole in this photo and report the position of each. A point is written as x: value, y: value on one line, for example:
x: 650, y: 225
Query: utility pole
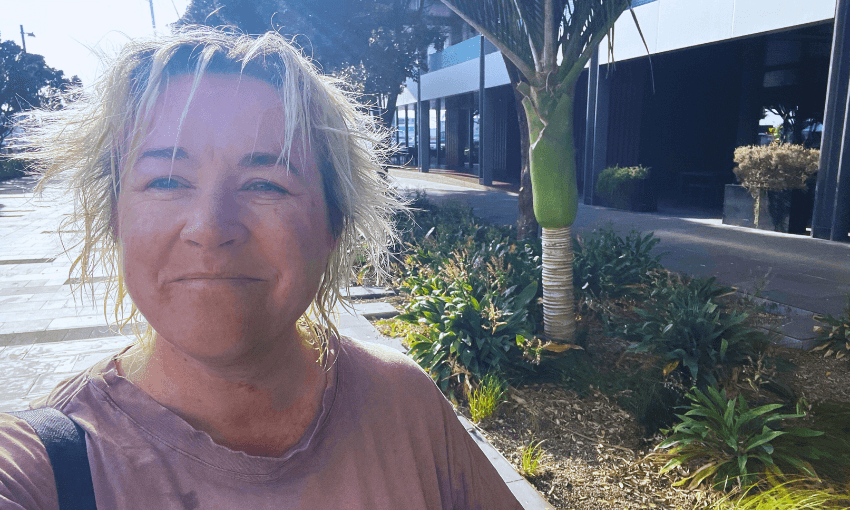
x: 23, y: 39
x: 153, y: 21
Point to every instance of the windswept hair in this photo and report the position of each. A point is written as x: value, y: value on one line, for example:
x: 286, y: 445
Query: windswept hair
x: 91, y: 143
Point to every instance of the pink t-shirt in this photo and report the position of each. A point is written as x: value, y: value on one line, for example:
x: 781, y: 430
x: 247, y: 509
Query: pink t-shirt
x: 385, y: 438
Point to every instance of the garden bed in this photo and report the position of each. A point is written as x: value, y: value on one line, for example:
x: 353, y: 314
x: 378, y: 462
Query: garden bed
x: 650, y: 346
x: 596, y: 454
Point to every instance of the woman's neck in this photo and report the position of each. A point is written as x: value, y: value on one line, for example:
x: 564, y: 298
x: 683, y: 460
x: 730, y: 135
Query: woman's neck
x: 261, y: 404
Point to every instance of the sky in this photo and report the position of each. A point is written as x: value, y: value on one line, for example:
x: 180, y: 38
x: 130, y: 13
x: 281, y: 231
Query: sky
x: 70, y: 32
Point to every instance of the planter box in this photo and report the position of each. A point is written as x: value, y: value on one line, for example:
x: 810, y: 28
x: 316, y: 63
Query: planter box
x: 638, y: 196
x: 781, y: 211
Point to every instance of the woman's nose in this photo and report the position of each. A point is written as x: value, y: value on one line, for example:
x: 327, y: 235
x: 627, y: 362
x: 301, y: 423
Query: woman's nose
x: 214, y: 221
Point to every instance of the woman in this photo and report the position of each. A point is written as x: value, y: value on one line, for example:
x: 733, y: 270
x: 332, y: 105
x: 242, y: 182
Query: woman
x: 227, y: 186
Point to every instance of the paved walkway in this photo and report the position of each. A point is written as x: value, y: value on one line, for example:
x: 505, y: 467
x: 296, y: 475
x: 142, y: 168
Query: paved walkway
x: 797, y: 275
x: 47, y: 333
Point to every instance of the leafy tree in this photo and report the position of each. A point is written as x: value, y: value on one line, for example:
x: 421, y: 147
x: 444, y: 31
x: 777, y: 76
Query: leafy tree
x: 374, y: 44
x: 532, y: 34
x: 249, y: 16
x: 26, y: 82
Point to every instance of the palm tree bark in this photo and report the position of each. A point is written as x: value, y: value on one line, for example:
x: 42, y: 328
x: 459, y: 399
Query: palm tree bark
x: 559, y: 323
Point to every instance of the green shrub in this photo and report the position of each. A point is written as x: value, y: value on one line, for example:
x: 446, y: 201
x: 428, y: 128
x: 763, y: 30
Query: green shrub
x: 485, y: 399
x: 775, y: 167
x: 531, y: 455
x: 734, y: 443
x: 11, y: 169
x: 431, y: 232
x: 608, y: 265
x: 834, y: 421
x: 686, y: 325
x: 615, y: 184
x: 467, y: 336
x: 786, y: 496
x: 473, y: 288
x: 834, y: 334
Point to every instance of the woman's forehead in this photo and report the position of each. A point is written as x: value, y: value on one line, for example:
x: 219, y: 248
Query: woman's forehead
x: 231, y: 108
x: 229, y: 94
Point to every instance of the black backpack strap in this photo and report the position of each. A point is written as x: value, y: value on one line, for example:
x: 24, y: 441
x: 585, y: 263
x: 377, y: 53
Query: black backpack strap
x: 65, y: 442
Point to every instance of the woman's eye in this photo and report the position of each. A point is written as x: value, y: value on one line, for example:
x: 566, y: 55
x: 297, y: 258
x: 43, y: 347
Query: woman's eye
x: 164, y: 183
x: 264, y: 186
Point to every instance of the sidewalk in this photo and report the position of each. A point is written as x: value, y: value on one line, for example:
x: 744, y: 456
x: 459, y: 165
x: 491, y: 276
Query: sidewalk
x: 48, y: 334
x: 794, y: 275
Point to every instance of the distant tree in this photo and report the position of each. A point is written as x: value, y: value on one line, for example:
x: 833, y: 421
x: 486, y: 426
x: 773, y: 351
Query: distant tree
x: 373, y: 44
x: 249, y: 16
x: 26, y: 82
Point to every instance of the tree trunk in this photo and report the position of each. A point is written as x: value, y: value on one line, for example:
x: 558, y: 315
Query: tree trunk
x: 388, y: 112
x: 559, y: 315
x: 553, y: 176
x: 553, y: 159
x: 527, y: 226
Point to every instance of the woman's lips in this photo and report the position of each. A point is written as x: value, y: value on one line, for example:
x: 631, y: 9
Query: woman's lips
x: 216, y: 277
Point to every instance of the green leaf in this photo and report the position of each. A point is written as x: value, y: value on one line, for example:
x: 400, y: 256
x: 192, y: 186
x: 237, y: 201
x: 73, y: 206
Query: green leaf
x: 742, y: 464
x: 526, y: 295
x: 802, y: 432
x: 703, y: 472
x: 765, y: 437
x: 758, y: 411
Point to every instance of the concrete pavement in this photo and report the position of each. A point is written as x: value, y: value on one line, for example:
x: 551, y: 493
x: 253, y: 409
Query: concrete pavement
x: 795, y: 275
x: 48, y: 333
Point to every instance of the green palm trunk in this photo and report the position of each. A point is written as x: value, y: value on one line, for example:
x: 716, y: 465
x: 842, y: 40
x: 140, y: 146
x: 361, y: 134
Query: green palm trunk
x: 553, y: 161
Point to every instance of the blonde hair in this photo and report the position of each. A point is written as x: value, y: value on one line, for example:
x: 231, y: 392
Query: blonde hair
x: 94, y: 139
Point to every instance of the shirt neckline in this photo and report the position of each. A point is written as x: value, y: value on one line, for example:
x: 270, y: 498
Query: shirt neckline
x: 166, y: 427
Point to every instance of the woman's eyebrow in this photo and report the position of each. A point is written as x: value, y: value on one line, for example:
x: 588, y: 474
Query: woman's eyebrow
x: 266, y: 159
x: 165, y: 153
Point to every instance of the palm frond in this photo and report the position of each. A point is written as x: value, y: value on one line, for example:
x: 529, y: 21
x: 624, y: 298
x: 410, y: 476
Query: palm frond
x: 588, y: 19
x: 504, y: 24
x: 585, y: 23
x: 533, y: 13
x: 518, y: 28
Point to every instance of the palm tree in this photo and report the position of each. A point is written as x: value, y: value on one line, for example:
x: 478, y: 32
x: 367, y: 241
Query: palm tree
x: 533, y: 34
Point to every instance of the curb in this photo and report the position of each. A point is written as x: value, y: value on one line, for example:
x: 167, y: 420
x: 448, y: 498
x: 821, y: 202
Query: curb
x: 796, y: 332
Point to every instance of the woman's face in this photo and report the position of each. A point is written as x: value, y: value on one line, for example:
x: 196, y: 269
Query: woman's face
x: 223, y: 243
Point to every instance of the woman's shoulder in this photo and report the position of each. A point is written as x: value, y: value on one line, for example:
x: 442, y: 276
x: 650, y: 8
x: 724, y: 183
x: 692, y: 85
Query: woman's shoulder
x: 374, y: 367
x: 68, y: 389
x: 380, y: 361
x: 26, y: 478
